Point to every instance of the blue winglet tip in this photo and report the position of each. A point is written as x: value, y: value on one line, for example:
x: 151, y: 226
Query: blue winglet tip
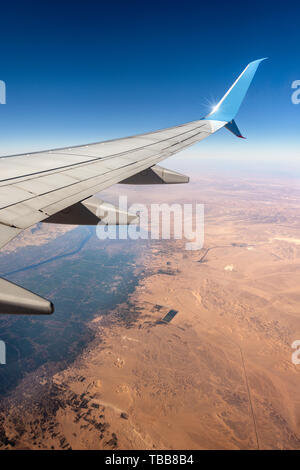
x: 259, y: 60
x: 229, y: 105
x: 256, y: 62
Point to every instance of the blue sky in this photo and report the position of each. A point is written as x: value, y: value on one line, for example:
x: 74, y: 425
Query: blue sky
x: 85, y: 71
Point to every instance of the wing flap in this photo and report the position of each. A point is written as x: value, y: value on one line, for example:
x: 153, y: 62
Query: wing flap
x: 19, y: 301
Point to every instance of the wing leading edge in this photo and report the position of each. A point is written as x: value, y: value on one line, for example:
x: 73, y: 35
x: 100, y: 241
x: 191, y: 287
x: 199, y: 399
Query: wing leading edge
x: 36, y: 186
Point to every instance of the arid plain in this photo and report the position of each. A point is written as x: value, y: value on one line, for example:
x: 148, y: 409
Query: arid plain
x: 219, y: 375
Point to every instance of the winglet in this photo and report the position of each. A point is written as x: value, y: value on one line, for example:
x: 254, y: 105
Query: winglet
x: 229, y: 105
x: 232, y: 127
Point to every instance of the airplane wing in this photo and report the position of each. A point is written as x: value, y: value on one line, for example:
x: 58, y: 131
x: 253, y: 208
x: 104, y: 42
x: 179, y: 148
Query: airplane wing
x: 58, y: 185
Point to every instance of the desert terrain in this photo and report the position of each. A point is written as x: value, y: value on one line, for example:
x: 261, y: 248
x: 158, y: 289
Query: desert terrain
x: 199, y: 355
